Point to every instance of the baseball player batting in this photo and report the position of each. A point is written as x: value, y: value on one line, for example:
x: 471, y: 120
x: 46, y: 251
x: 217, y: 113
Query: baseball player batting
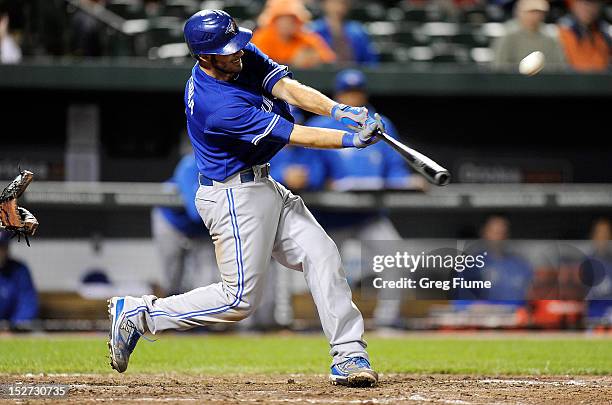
x: 238, y: 118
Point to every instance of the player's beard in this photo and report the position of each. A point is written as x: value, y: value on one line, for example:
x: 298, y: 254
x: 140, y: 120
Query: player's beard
x: 229, y: 67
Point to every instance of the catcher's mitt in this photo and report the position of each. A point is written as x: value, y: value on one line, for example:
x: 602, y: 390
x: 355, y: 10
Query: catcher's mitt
x: 12, y: 217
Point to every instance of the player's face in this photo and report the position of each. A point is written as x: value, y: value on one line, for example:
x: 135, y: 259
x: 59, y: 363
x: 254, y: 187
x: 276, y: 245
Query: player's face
x: 229, y: 64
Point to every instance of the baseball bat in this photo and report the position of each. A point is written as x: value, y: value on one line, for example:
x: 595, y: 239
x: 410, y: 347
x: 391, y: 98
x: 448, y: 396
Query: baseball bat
x: 433, y: 172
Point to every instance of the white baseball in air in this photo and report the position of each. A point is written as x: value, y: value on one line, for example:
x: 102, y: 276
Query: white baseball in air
x: 532, y: 63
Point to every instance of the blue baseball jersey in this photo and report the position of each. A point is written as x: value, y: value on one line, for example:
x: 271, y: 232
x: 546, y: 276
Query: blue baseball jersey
x: 309, y: 159
x: 186, y: 219
x: 510, y: 277
x: 372, y: 168
x: 237, y: 124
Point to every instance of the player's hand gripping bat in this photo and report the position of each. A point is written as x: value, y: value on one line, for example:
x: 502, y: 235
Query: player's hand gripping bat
x: 433, y: 172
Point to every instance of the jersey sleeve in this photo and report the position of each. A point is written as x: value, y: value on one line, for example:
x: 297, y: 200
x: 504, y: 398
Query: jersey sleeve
x: 268, y: 71
x: 250, y: 124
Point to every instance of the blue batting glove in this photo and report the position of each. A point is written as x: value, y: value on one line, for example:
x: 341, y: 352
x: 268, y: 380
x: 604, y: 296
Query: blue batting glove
x: 353, y: 117
x: 365, y: 137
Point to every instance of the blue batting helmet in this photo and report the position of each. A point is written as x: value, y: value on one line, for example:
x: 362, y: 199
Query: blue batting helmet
x: 214, y: 32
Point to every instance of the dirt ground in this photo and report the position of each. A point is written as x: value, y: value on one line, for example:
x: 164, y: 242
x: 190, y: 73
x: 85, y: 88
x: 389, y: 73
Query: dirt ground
x: 311, y: 389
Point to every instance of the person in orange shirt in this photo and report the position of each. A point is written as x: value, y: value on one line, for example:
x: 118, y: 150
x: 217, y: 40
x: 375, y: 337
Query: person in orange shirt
x: 584, y: 36
x: 283, y: 37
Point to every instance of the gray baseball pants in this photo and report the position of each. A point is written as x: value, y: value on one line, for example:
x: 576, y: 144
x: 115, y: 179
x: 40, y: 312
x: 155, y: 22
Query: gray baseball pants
x: 249, y: 223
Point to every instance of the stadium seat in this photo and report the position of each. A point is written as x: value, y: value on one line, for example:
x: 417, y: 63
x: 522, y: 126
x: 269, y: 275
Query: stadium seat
x: 496, y: 13
x: 368, y: 12
x: 381, y: 28
x: 489, y: 32
x: 449, y: 53
x: 465, y: 37
x: 136, y: 26
x: 163, y: 30
x: 440, y: 29
x: 126, y: 9
x: 400, y: 54
x: 474, y: 15
x: 421, y: 54
x: 386, y: 50
x: 180, y: 8
x: 481, y: 55
x: 395, y: 14
x: 407, y: 37
x: 169, y: 51
x: 237, y: 11
x: 415, y: 14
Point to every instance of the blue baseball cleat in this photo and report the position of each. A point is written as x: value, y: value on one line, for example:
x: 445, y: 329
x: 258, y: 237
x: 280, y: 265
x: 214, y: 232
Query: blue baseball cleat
x: 123, y: 334
x: 354, y: 372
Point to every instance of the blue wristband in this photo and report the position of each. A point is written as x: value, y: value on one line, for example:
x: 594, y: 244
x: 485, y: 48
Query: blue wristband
x: 348, y: 140
x: 333, y: 110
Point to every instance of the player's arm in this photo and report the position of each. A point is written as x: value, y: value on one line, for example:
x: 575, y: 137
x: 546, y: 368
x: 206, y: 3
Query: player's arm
x: 303, y: 96
x: 324, y: 138
x: 320, y: 138
x: 312, y: 100
x: 251, y: 124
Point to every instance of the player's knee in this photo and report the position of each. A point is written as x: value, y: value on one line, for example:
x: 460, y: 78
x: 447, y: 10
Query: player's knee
x: 328, y: 251
x: 325, y: 255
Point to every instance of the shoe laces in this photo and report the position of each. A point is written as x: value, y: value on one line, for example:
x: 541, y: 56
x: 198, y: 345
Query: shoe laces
x: 133, y: 335
x: 360, y: 362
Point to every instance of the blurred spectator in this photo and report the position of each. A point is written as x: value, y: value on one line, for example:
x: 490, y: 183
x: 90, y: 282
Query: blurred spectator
x: 282, y: 35
x: 18, y: 298
x: 584, y: 36
x: 87, y: 32
x: 557, y: 296
x: 10, y: 52
x: 509, y: 273
x: 599, y: 272
x: 528, y: 37
x: 601, y: 234
x: 449, y: 9
x: 181, y: 239
x: 338, y: 33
